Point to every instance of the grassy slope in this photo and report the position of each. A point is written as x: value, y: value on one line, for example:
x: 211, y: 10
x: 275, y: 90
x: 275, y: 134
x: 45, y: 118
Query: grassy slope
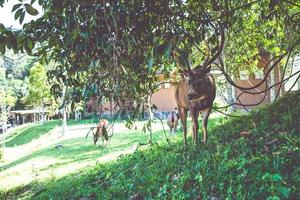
x: 34, y: 131
x: 29, y: 133
x: 262, y: 163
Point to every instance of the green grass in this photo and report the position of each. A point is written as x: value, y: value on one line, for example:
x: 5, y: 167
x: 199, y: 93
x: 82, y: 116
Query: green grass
x: 34, y: 131
x: 30, y: 133
x: 76, y: 153
x: 256, y: 156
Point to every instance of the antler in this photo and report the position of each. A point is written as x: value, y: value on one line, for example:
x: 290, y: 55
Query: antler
x: 177, y: 57
x: 209, y: 61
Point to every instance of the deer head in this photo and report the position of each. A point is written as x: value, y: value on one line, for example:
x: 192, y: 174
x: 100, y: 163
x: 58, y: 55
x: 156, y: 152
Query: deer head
x: 197, y: 78
x: 196, y: 81
x: 95, y: 136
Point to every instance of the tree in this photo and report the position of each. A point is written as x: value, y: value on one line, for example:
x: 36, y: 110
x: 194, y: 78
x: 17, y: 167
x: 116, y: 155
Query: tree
x: 39, y: 90
x: 115, y: 48
x: 7, y: 98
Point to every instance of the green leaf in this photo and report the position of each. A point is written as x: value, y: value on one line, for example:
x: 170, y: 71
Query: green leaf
x: 266, y: 176
x: 15, y: 7
x: 29, y: 43
x: 199, y: 178
x: 18, y: 13
x: 283, y: 191
x: 276, y: 177
x: 31, y: 10
x: 22, y: 17
x: 1, y: 3
x: 75, y: 34
x: 2, y: 27
x: 2, y: 48
x: 13, y: 42
x: 273, y: 198
x: 168, y: 50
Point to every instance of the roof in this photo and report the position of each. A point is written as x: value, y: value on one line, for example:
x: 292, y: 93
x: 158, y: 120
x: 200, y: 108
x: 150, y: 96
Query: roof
x: 23, y: 112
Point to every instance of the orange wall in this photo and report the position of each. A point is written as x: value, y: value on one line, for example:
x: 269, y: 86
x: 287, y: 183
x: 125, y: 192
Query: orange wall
x: 251, y: 98
x: 255, y: 98
x: 164, y: 99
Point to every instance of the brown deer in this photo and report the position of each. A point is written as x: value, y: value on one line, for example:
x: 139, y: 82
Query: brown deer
x: 196, y: 92
x: 172, y: 121
x: 101, y: 131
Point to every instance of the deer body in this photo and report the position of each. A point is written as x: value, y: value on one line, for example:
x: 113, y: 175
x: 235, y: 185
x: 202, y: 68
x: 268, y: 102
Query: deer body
x: 172, y: 122
x: 101, y: 131
x: 196, y: 92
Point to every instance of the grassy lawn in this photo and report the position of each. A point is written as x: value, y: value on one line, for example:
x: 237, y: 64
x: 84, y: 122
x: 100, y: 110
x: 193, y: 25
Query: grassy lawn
x: 35, y: 130
x: 50, y: 156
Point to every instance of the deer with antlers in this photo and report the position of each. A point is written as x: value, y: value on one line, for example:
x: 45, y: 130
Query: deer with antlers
x: 196, y: 92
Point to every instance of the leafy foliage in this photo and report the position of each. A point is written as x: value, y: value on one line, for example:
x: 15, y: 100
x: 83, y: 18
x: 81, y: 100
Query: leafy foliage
x: 114, y: 49
x: 39, y: 90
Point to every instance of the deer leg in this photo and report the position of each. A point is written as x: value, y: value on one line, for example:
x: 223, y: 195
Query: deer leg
x: 175, y: 127
x: 204, y: 123
x: 195, y: 115
x: 183, y: 115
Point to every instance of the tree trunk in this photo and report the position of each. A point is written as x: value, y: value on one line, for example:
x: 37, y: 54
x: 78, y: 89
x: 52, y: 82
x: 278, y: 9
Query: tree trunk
x: 231, y: 93
x: 3, y: 120
x: 64, y: 120
x: 150, y: 119
x: 271, y: 80
x: 231, y: 97
x: 43, y: 113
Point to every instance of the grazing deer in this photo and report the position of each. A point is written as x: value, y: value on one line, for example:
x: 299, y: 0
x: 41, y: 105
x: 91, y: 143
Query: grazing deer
x: 196, y: 92
x: 172, y: 122
x: 101, y: 131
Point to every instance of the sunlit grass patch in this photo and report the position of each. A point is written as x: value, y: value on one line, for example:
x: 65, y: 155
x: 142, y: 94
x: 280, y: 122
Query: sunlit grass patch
x: 66, y: 155
x: 30, y: 133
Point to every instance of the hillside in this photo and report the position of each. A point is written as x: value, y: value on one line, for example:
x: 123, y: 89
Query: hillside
x: 255, y: 156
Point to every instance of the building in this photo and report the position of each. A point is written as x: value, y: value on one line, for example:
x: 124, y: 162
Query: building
x: 164, y: 98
